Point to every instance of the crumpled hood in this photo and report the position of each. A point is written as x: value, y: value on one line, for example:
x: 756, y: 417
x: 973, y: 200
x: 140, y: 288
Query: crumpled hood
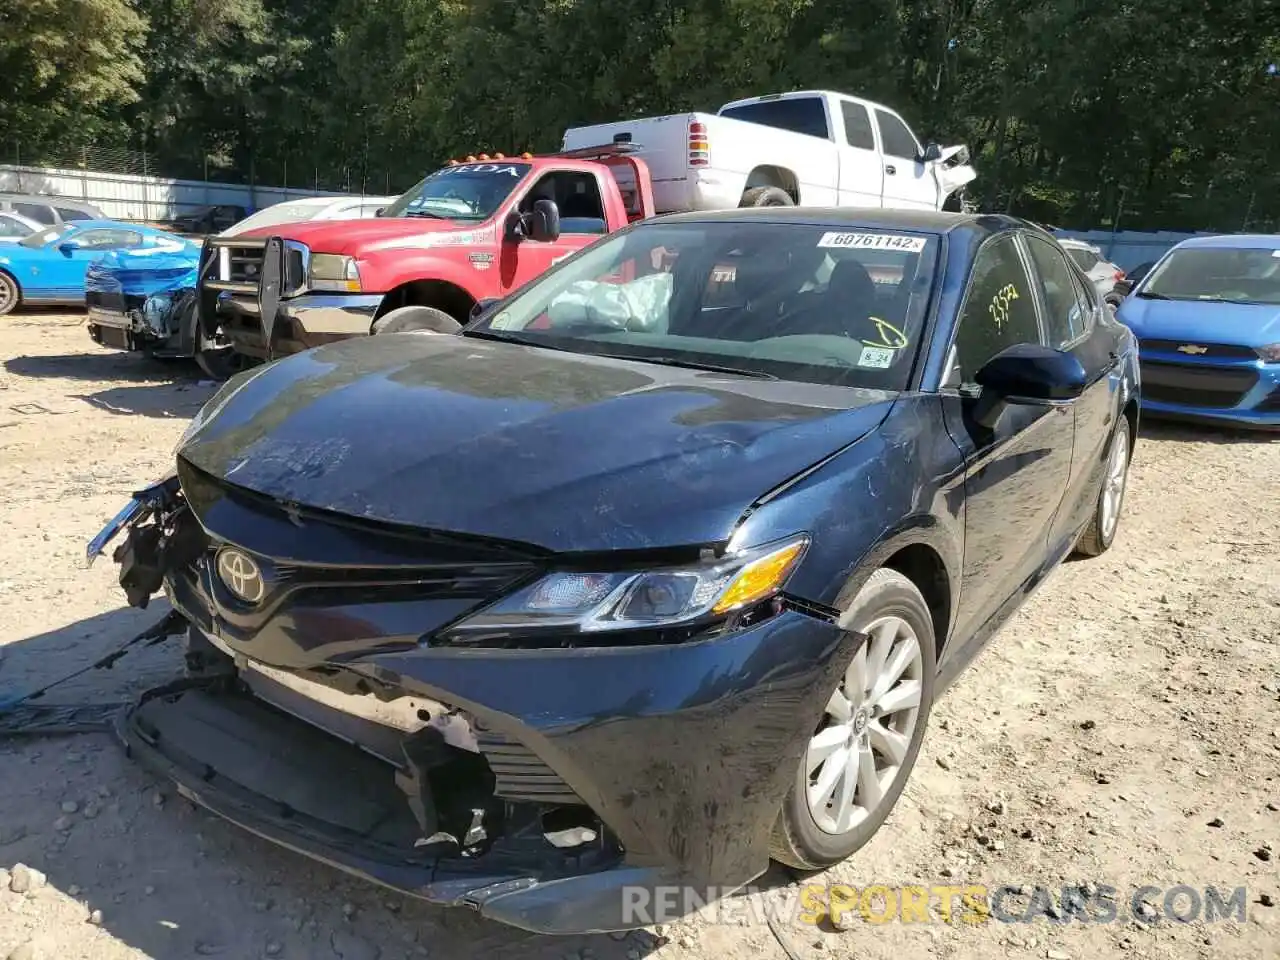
x: 1243, y: 324
x: 559, y: 450
x: 144, y: 271
x: 359, y: 238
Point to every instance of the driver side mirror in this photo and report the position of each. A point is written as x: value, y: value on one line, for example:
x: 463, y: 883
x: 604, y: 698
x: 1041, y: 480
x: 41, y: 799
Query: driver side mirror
x: 544, y: 222
x: 1028, y: 375
x: 482, y: 307
x: 68, y: 247
x: 932, y: 152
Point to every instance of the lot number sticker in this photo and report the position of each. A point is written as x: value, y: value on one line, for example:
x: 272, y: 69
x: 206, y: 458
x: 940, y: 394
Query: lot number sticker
x: 872, y: 241
x: 877, y: 357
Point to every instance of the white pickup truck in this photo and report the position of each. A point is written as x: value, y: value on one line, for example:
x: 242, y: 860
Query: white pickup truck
x: 810, y: 147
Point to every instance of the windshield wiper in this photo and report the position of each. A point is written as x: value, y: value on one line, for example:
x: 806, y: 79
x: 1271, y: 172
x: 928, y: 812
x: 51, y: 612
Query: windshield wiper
x: 505, y: 337
x: 692, y: 365
x: 1151, y: 295
x: 421, y: 213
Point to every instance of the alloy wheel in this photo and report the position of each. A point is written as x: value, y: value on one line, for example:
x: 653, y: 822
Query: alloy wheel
x: 1113, y: 483
x: 8, y: 294
x: 859, y: 751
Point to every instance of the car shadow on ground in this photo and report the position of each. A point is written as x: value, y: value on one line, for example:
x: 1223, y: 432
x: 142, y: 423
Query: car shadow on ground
x: 154, y: 388
x: 163, y: 877
x: 1182, y: 431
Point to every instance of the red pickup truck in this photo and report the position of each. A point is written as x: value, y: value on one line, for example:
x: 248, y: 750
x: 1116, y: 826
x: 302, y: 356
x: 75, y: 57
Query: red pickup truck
x: 472, y: 231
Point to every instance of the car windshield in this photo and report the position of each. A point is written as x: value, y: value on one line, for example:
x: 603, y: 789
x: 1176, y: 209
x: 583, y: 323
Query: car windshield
x: 1237, y: 274
x: 42, y: 238
x: 464, y: 191
x: 840, y: 305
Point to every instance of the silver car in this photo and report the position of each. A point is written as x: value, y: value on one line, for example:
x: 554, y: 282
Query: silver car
x: 1104, y: 274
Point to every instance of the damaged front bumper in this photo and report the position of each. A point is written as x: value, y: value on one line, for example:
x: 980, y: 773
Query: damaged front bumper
x: 592, y: 776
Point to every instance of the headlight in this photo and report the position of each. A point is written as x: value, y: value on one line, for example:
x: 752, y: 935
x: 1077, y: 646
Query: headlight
x: 329, y: 271
x: 1270, y: 353
x: 589, y: 602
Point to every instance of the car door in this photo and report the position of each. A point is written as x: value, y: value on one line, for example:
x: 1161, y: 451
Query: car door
x: 578, y: 196
x: 861, y: 165
x: 1016, y: 471
x: 1074, y: 323
x: 908, y: 182
x: 75, y: 251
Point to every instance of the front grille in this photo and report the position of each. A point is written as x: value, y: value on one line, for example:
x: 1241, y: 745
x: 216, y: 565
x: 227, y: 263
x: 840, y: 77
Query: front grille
x: 520, y: 774
x: 237, y: 266
x: 112, y: 300
x: 1195, y: 385
x: 1213, y: 351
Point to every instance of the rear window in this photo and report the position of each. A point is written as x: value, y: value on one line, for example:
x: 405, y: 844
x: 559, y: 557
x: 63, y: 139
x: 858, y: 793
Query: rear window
x: 1085, y: 259
x: 804, y: 115
x: 70, y: 213
x: 39, y: 212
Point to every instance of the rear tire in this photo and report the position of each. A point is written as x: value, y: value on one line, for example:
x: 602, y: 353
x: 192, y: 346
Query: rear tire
x: 766, y: 197
x: 1101, y: 532
x: 415, y: 319
x: 10, y: 294
x: 887, y: 723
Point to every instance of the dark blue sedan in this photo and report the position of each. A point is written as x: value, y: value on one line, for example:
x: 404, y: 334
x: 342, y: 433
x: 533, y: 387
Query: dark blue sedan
x: 651, y: 573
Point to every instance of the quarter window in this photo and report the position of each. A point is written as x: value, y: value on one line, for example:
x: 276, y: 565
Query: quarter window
x: 1065, y: 320
x: 999, y: 308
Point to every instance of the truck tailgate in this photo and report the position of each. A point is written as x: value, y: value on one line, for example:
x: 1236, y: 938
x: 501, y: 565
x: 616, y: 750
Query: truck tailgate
x: 663, y: 142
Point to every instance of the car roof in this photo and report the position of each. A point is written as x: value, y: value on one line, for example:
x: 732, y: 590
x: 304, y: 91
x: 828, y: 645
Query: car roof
x: 51, y: 199
x: 871, y: 218
x: 1236, y: 241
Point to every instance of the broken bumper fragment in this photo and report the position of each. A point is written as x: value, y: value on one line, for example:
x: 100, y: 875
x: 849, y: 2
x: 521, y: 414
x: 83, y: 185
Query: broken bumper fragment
x: 546, y: 787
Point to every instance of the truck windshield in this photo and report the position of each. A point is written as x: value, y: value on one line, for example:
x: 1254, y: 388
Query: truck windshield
x: 836, y: 304
x: 798, y: 114
x: 465, y: 191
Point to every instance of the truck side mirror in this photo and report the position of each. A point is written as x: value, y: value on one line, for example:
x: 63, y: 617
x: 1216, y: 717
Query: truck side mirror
x: 482, y: 307
x: 932, y: 152
x: 544, y: 222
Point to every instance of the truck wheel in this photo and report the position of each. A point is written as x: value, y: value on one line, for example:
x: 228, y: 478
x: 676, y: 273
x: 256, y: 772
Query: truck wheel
x: 415, y: 319
x: 10, y: 295
x: 766, y: 197
x: 214, y: 355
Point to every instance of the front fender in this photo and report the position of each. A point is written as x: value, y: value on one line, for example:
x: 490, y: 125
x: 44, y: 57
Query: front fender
x: 386, y: 272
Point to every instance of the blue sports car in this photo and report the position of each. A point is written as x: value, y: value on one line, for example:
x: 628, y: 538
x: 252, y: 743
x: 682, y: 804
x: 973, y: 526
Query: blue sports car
x: 47, y: 268
x: 1207, y: 318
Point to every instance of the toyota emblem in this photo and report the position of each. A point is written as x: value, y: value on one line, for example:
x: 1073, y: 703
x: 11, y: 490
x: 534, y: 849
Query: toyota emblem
x: 241, y: 575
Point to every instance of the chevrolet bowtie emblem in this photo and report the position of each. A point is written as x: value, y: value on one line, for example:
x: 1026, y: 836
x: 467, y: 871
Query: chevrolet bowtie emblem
x: 1192, y: 348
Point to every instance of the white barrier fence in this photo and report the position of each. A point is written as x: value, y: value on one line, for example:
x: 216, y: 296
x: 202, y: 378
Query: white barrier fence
x: 132, y: 197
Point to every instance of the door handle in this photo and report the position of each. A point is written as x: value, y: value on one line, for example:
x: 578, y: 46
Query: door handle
x: 890, y: 169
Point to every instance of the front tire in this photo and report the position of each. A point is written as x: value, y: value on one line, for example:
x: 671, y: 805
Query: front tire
x: 864, y: 747
x: 415, y: 319
x: 214, y: 355
x: 1101, y: 532
x: 10, y: 294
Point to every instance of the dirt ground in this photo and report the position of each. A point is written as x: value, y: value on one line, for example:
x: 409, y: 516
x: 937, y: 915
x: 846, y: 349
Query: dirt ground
x: 1123, y: 730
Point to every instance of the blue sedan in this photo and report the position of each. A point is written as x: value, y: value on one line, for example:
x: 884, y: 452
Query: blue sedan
x: 653, y: 571
x: 1208, y: 321
x: 47, y: 268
